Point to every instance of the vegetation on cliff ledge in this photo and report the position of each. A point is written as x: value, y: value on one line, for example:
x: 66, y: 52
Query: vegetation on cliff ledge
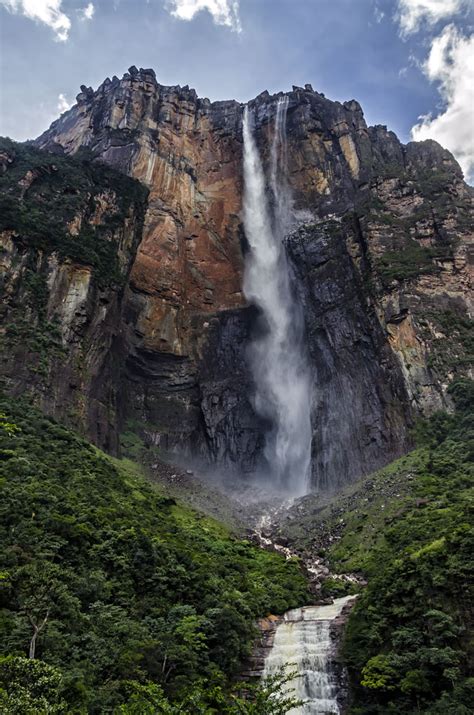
x: 128, y: 601
x: 41, y: 194
x: 410, y: 261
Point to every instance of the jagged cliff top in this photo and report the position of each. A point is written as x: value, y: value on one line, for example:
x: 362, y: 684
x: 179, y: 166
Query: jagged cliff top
x: 148, y: 77
x: 316, y: 112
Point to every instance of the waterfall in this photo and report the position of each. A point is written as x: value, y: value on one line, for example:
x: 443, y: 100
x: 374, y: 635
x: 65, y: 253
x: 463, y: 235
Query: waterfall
x: 303, y: 643
x: 277, y: 356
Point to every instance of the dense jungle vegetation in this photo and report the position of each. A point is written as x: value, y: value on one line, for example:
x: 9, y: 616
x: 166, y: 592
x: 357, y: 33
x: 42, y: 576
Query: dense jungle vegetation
x: 409, y: 639
x: 124, y: 600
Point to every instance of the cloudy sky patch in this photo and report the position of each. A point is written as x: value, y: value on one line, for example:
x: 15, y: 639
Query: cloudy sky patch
x: 223, y: 12
x: 449, y: 65
x: 48, y: 12
x: 412, y: 14
x: 405, y: 61
x: 88, y: 11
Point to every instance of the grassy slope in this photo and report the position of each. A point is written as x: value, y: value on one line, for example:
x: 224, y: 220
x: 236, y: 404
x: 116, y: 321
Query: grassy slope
x: 344, y: 526
x: 136, y: 587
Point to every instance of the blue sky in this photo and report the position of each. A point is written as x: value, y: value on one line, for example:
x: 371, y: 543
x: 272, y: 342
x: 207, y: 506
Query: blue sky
x: 401, y: 59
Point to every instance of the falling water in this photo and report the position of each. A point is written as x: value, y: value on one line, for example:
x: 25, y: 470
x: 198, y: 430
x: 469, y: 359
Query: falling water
x: 277, y: 356
x: 303, y: 642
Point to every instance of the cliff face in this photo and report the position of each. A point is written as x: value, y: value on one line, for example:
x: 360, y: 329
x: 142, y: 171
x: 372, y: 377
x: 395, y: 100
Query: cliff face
x: 380, y: 257
x: 68, y: 235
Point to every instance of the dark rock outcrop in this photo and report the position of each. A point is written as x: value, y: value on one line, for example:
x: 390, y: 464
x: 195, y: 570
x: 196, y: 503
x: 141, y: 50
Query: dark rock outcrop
x: 338, y: 666
x: 359, y: 393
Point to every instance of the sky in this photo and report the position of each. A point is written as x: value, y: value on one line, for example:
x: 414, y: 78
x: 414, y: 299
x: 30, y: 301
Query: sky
x: 410, y: 63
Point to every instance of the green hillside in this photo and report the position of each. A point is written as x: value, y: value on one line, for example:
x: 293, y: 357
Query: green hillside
x: 409, y: 638
x: 130, y: 592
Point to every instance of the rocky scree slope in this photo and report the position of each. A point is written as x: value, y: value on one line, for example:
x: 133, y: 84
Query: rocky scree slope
x: 381, y: 259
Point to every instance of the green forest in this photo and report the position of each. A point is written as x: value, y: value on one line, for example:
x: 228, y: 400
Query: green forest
x: 116, y: 598
x: 124, y: 600
x: 408, y: 643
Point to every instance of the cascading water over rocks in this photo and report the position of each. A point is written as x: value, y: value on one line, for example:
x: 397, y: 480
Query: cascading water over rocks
x: 277, y: 355
x: 303, y: 643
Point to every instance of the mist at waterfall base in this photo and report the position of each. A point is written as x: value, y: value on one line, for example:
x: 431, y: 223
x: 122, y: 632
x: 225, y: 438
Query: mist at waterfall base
x: 276, y: 355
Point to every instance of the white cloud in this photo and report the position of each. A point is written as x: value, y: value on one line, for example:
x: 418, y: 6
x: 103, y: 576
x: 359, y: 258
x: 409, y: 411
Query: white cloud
x: 413, y: 13
x: 47, y: 11
x: 88, y: 11
x: 63, y: 104
x: 450, y: 63
x: 224, y: 12
x: 378, y: 14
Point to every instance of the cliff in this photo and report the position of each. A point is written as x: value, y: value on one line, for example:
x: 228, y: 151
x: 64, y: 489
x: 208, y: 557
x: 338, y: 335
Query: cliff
x: 69, y: 232
x: 380, y: 254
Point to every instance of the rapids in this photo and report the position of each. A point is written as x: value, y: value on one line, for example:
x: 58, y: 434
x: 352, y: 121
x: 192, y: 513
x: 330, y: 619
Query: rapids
x: 303, y: 643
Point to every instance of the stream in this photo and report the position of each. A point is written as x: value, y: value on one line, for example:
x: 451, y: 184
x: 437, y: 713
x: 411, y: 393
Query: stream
x: 303, y: 643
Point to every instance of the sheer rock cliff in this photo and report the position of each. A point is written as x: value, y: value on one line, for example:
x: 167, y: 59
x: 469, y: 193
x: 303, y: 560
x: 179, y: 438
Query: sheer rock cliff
x: 381, y: 252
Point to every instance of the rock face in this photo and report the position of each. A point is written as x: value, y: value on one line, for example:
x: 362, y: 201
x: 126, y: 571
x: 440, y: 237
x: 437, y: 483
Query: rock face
x: 380, y: 254
x: 69, y: 235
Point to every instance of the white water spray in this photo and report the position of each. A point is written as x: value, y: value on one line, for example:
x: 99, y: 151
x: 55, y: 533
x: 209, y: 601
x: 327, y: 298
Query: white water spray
x: 277, y: 357
x: 303, y: 643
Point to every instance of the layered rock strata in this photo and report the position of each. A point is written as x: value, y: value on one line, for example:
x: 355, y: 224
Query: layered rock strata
x: 381, y: 254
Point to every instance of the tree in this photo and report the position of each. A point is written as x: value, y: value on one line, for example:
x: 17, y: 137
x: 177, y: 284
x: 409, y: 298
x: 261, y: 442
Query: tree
x: 270, y: 696
x: 41, y: 592
x: 379, y: 674
x: 145, y: 699
x: 30, y: 686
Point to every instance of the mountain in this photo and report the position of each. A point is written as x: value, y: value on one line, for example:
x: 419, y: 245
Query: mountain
x: 380, y: 256
x: 125, y: 329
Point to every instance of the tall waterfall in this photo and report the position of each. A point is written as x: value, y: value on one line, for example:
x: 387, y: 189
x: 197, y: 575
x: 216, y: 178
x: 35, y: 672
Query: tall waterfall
x: 303, y: 643
x: 277, y: 356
